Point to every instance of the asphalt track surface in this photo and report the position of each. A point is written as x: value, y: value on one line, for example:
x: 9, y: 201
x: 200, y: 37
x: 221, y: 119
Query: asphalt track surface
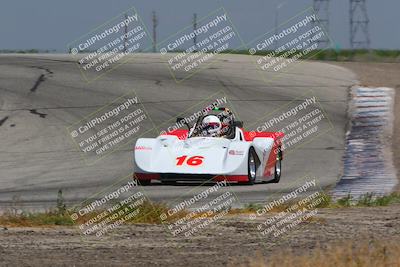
x: 40, y: 95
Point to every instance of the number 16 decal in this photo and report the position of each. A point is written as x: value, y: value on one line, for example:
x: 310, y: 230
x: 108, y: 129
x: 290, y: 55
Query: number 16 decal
x: 192, y: 161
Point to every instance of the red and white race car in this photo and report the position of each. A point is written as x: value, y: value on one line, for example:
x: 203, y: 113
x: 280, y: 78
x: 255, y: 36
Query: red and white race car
x: 215, y: 148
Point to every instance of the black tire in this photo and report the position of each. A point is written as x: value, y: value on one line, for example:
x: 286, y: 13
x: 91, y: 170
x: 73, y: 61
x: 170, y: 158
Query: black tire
x: 168, y: 182
x: 278, y: 167
x: 252, y: 166
x: 144, y: 182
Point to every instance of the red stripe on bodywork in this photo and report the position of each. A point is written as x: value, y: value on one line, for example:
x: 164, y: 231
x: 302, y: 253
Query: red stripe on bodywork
x: 180, y: 133
x: 277, y: 136
x: 249, y: 136
x: 270, y: 166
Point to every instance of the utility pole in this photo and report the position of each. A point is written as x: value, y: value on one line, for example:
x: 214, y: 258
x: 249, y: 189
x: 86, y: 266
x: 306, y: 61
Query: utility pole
x: 359, y: 21
x: 321, y: 8
x: 276, y: 46
x: 194, y: 29
x: 125, y: 36
x: 155, y: 24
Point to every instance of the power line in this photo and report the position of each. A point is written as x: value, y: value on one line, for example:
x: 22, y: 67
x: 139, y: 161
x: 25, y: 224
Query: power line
x: 126, y: 35
x: 321, y: 8
x: 277, y: 7
x: 359, y: 21
x: 155, y: 24
x: 194, y: 29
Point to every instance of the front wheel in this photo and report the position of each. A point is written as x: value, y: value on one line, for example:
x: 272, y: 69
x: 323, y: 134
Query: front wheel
x: 278, y: 167
x: 252, y: 166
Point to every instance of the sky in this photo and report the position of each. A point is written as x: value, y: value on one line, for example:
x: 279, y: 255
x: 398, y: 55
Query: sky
x: 52, y: 24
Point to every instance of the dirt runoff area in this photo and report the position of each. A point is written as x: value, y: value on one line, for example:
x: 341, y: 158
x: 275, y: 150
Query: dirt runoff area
x: 381, y: 75
x: 231, y: 241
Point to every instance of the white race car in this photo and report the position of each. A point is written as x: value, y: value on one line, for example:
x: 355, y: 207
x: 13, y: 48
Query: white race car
x: 215, y: 148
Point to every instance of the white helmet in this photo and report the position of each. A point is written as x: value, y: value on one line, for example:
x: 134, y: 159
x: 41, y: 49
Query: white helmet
x: 211, y: 126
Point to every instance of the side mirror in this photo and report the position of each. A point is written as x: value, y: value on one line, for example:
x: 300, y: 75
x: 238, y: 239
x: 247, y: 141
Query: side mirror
x: 238, y: 124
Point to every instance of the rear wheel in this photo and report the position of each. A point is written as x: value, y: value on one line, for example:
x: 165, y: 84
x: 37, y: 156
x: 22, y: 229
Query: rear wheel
x: 278, y: 167
x: 252, y: 166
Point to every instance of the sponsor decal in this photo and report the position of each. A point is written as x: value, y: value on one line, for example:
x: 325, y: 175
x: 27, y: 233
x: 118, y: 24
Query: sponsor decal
x: 236, y: 152
x: 143, y: 148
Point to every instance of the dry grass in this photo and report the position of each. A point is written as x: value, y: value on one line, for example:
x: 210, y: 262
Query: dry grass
x: 348, y: 254
x: 49, y: 218
x: 150, y: 212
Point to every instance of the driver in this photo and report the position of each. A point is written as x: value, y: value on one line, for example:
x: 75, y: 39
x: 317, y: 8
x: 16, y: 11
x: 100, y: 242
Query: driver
x: 211, y: 126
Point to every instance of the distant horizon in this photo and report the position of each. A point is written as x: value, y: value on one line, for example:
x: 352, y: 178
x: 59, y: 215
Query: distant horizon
x: 48, y: 25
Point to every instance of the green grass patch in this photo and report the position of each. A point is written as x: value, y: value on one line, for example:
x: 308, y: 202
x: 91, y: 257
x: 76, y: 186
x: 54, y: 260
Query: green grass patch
x: 373, y: 55
x: 366, y: 200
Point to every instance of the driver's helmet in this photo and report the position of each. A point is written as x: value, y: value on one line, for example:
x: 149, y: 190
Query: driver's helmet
x: 211, y: 126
